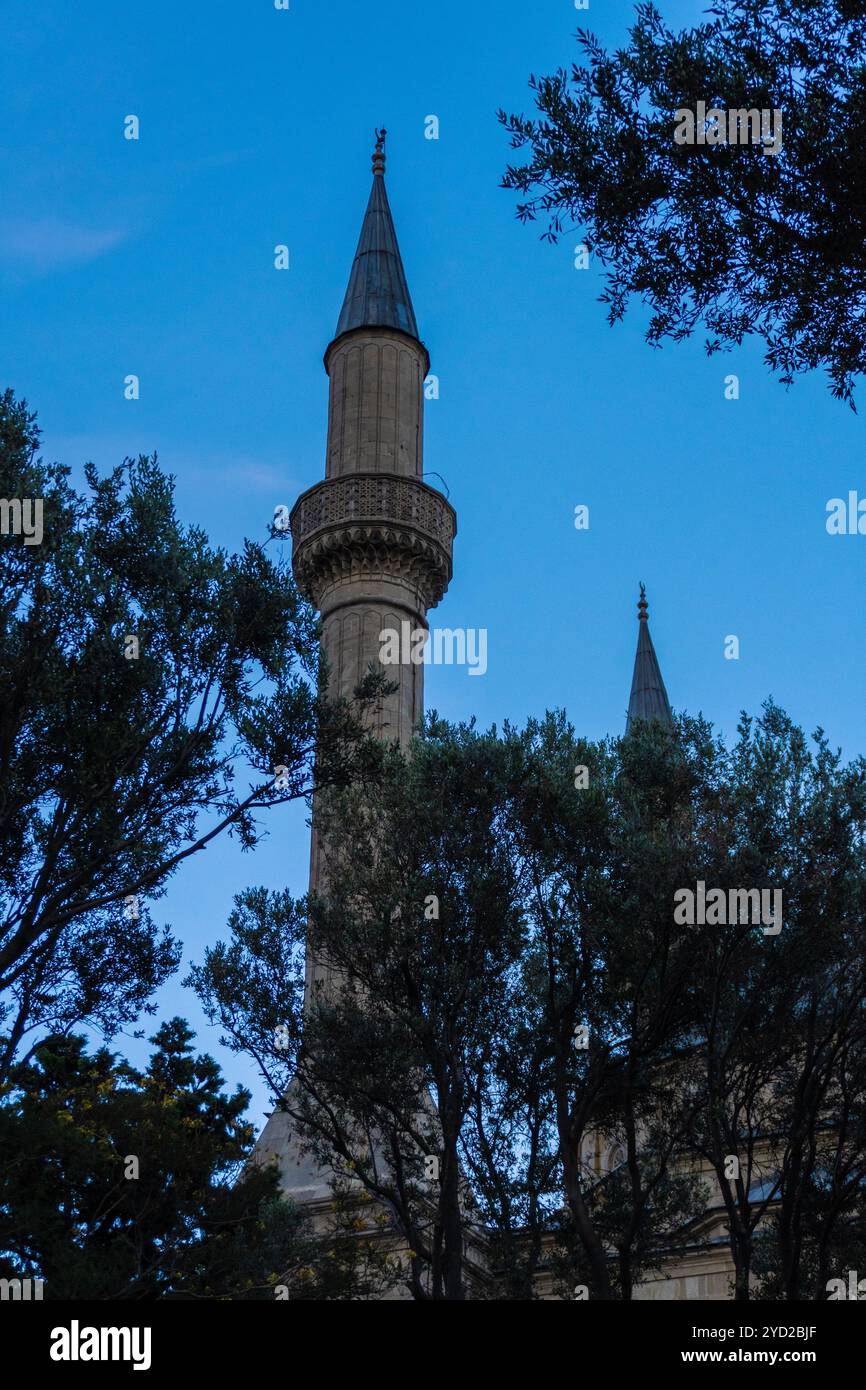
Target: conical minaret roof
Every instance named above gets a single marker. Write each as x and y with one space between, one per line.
378 295
649 699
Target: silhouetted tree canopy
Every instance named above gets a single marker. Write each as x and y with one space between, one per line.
127 1184
723 237
503 943
157 692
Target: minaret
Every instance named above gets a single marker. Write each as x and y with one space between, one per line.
372 542
649 699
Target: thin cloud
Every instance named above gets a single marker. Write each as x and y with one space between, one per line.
49 243
209 468
254 473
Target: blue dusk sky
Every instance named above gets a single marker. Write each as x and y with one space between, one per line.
156 257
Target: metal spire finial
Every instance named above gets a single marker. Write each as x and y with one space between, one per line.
642 605
378 295
379 152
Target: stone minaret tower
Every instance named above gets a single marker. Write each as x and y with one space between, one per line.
372 542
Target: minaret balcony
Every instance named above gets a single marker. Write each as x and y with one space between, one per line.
373 524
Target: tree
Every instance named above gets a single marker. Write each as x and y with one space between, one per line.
612 990
723 235
782 1066
120 1184
456 922
514 996
112 1177
421 924
142 670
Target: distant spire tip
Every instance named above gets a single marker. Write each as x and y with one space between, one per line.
642 605
379 152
